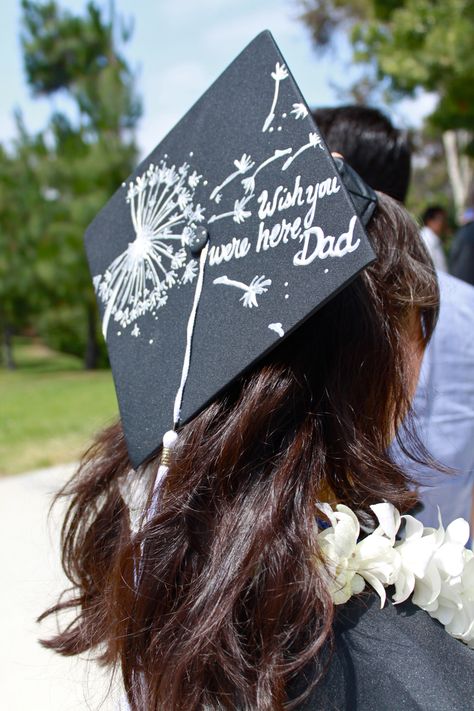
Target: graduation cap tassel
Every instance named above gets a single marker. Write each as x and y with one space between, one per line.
171 436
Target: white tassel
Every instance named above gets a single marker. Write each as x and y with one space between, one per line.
169 441
171 437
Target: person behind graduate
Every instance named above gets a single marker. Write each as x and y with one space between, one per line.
444 401
435 221
251 562
461 257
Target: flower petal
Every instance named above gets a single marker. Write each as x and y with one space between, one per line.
458 532
378 587
389 519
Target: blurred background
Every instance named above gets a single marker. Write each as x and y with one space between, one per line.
90 88
87 90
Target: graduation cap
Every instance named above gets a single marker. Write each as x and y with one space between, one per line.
229 235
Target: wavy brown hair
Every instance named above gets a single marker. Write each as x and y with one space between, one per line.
229 601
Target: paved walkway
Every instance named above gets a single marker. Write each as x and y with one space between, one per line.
32 678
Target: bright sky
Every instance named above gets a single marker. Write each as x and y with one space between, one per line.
178 48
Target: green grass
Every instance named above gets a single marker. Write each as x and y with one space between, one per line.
50 408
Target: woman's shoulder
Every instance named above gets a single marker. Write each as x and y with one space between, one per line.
393 658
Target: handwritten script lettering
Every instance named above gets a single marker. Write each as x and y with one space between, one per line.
236 249
325 245
282 199
315 244
280 232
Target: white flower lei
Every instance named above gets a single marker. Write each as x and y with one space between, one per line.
430 564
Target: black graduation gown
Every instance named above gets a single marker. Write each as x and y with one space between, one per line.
394 659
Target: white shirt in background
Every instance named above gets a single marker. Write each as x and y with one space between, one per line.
435 248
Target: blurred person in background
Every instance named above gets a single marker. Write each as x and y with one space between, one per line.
444 401
435 221
461 258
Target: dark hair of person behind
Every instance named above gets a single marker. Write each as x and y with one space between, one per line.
378 151
230 599
432 212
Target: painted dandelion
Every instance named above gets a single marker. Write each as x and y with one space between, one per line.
162 214
242 166
314 140
249 182
278 76
239 214
190 272
258 286
299 111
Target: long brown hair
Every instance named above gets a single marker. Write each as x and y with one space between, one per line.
229 600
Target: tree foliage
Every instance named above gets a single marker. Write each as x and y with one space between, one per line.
23 219
413 43
407 46
85 158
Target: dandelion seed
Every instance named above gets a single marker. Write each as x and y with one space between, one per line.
299 111
198 214
193 180
243 166
278 76
190 272
239 214
314 140
259 285
249 182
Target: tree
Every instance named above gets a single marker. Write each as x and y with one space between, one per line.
22 220
415 44
87 159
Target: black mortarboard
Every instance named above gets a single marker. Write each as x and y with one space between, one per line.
228 236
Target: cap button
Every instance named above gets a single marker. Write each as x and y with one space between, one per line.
198 239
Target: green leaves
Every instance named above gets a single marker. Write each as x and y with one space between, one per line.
53 184
415 44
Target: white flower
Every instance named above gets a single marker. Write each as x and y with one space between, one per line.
218 198
299 110
376 561
136 331
431 564
337 545
351 563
